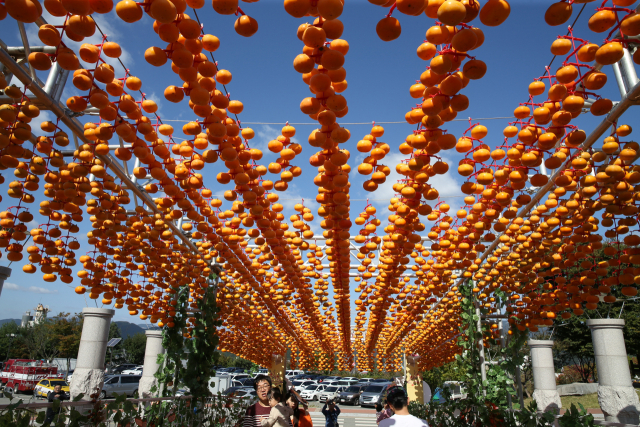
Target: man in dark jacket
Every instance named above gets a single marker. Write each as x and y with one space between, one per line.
331 412
56 394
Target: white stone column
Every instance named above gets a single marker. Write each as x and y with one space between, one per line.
544 377
616 395
151 366
88 377
5 272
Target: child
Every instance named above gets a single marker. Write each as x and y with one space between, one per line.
280 414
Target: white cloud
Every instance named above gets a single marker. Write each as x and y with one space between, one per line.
30 289
447 184
265 134
155 98
268 133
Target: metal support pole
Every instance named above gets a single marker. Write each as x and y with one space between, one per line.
503 345
621 86
27 52
519 384
52 78
78 129
483 366
628 71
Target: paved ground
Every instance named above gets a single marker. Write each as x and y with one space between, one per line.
26 398
347 420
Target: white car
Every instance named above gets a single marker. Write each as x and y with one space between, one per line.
302 385
135 371
312 392
329 383
330 393
350 379
365 380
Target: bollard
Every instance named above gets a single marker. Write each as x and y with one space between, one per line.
152 349
5 272
616 395
544 378
88 376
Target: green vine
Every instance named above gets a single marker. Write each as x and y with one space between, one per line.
476 409
217 411
202 345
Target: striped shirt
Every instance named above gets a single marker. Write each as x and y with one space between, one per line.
256 413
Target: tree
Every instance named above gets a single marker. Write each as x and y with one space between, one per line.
39 340
574 346
452 371
68 330
133 347
9 342
114 331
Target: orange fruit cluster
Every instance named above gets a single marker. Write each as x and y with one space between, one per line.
274 287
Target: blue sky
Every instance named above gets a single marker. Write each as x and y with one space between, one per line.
379 75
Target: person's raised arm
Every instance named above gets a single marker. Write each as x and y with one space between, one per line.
325 412
337 410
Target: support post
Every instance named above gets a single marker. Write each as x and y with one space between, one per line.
616 395
151 366
503 345
5 273
88 377
415 389
545 392
483 366
277 370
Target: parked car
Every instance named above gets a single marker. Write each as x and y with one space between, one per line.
127 384
374 393
301 385
243 393
247 382
312 392
232 390
118 369
46 385
454 388
183 392
238 377
330 393
365 380
261 371
350 379
347 383
351 395
290 373
380 380
135 371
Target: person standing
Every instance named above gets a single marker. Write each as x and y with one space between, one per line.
331 411
399 402
261 409
56 394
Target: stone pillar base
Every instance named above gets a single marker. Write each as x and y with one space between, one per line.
87 382
547 400
145 386
619 404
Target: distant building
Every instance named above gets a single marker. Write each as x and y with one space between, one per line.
41 314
